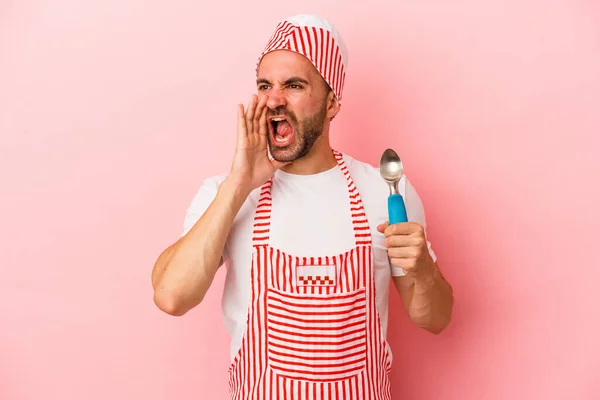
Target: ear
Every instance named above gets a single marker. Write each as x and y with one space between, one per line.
333 105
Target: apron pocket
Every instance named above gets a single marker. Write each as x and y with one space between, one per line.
319 338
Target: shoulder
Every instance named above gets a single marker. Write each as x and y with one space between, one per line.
375 191
367 178
203 196
207 189
213 181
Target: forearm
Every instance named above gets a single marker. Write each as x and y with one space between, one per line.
184 272
432 300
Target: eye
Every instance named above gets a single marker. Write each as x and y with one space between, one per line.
294 86
263 87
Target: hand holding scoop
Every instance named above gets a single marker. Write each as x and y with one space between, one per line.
390 168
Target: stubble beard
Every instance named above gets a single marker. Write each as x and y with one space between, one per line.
306 134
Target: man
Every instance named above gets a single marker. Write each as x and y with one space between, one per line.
303 230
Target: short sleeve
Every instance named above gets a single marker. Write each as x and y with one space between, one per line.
415 213
200 203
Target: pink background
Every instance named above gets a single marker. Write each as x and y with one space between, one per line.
112 113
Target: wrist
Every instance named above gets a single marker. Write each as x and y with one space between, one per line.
234 189
425 278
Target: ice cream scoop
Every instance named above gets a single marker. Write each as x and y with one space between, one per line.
391 170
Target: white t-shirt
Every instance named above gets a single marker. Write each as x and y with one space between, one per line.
301 203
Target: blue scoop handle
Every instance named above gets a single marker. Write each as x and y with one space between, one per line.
396 209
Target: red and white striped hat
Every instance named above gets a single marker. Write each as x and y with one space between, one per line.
317 39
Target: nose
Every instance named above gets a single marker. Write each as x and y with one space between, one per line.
276 99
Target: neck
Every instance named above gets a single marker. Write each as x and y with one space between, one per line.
319 159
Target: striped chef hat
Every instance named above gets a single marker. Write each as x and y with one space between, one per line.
317 39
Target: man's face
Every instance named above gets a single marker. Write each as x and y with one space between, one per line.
298 103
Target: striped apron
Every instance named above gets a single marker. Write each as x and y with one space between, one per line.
313 330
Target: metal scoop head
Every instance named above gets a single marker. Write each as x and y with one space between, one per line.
390 169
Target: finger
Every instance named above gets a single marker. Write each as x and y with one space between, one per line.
404 252
262 123
279 164
407 264
241 128
404 241
382 227
250 115
259 113
403 228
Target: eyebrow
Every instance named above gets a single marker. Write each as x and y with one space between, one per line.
293 79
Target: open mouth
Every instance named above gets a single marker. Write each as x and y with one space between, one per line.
281 130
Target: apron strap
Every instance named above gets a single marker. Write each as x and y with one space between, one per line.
362 230
262 216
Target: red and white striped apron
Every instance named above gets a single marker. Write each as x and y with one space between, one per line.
313 329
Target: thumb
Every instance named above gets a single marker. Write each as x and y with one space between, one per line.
382 227
279 164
